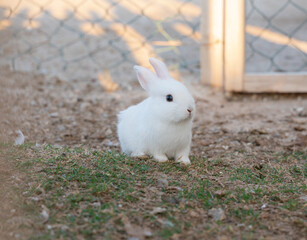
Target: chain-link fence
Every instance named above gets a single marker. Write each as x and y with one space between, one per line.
82 38
276 35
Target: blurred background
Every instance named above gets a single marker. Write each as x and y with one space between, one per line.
276 36
82 39
90 39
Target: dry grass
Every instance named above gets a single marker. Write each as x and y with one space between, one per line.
103 194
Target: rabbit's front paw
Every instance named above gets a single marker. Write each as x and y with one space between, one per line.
183 160
160 157
139 155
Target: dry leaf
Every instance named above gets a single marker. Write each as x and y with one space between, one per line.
45 213
20 139
162 182
135 230
217 214
158 210
220 193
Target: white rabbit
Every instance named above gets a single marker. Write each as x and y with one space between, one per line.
161 125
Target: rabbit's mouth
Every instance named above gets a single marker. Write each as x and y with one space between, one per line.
188 117
190 114
190 111
182 120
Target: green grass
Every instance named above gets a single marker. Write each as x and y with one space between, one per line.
292 204
88 192
245 215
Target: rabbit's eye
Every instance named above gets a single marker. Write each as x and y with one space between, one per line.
169 98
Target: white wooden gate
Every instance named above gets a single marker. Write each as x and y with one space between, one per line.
223 53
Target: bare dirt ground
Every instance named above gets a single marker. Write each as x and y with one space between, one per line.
81 112
12 213
9 200
52 111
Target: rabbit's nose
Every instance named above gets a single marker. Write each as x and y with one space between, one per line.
189 110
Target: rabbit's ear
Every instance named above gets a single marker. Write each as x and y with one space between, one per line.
160 68
145 77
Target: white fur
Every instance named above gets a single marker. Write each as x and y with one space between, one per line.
155 126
